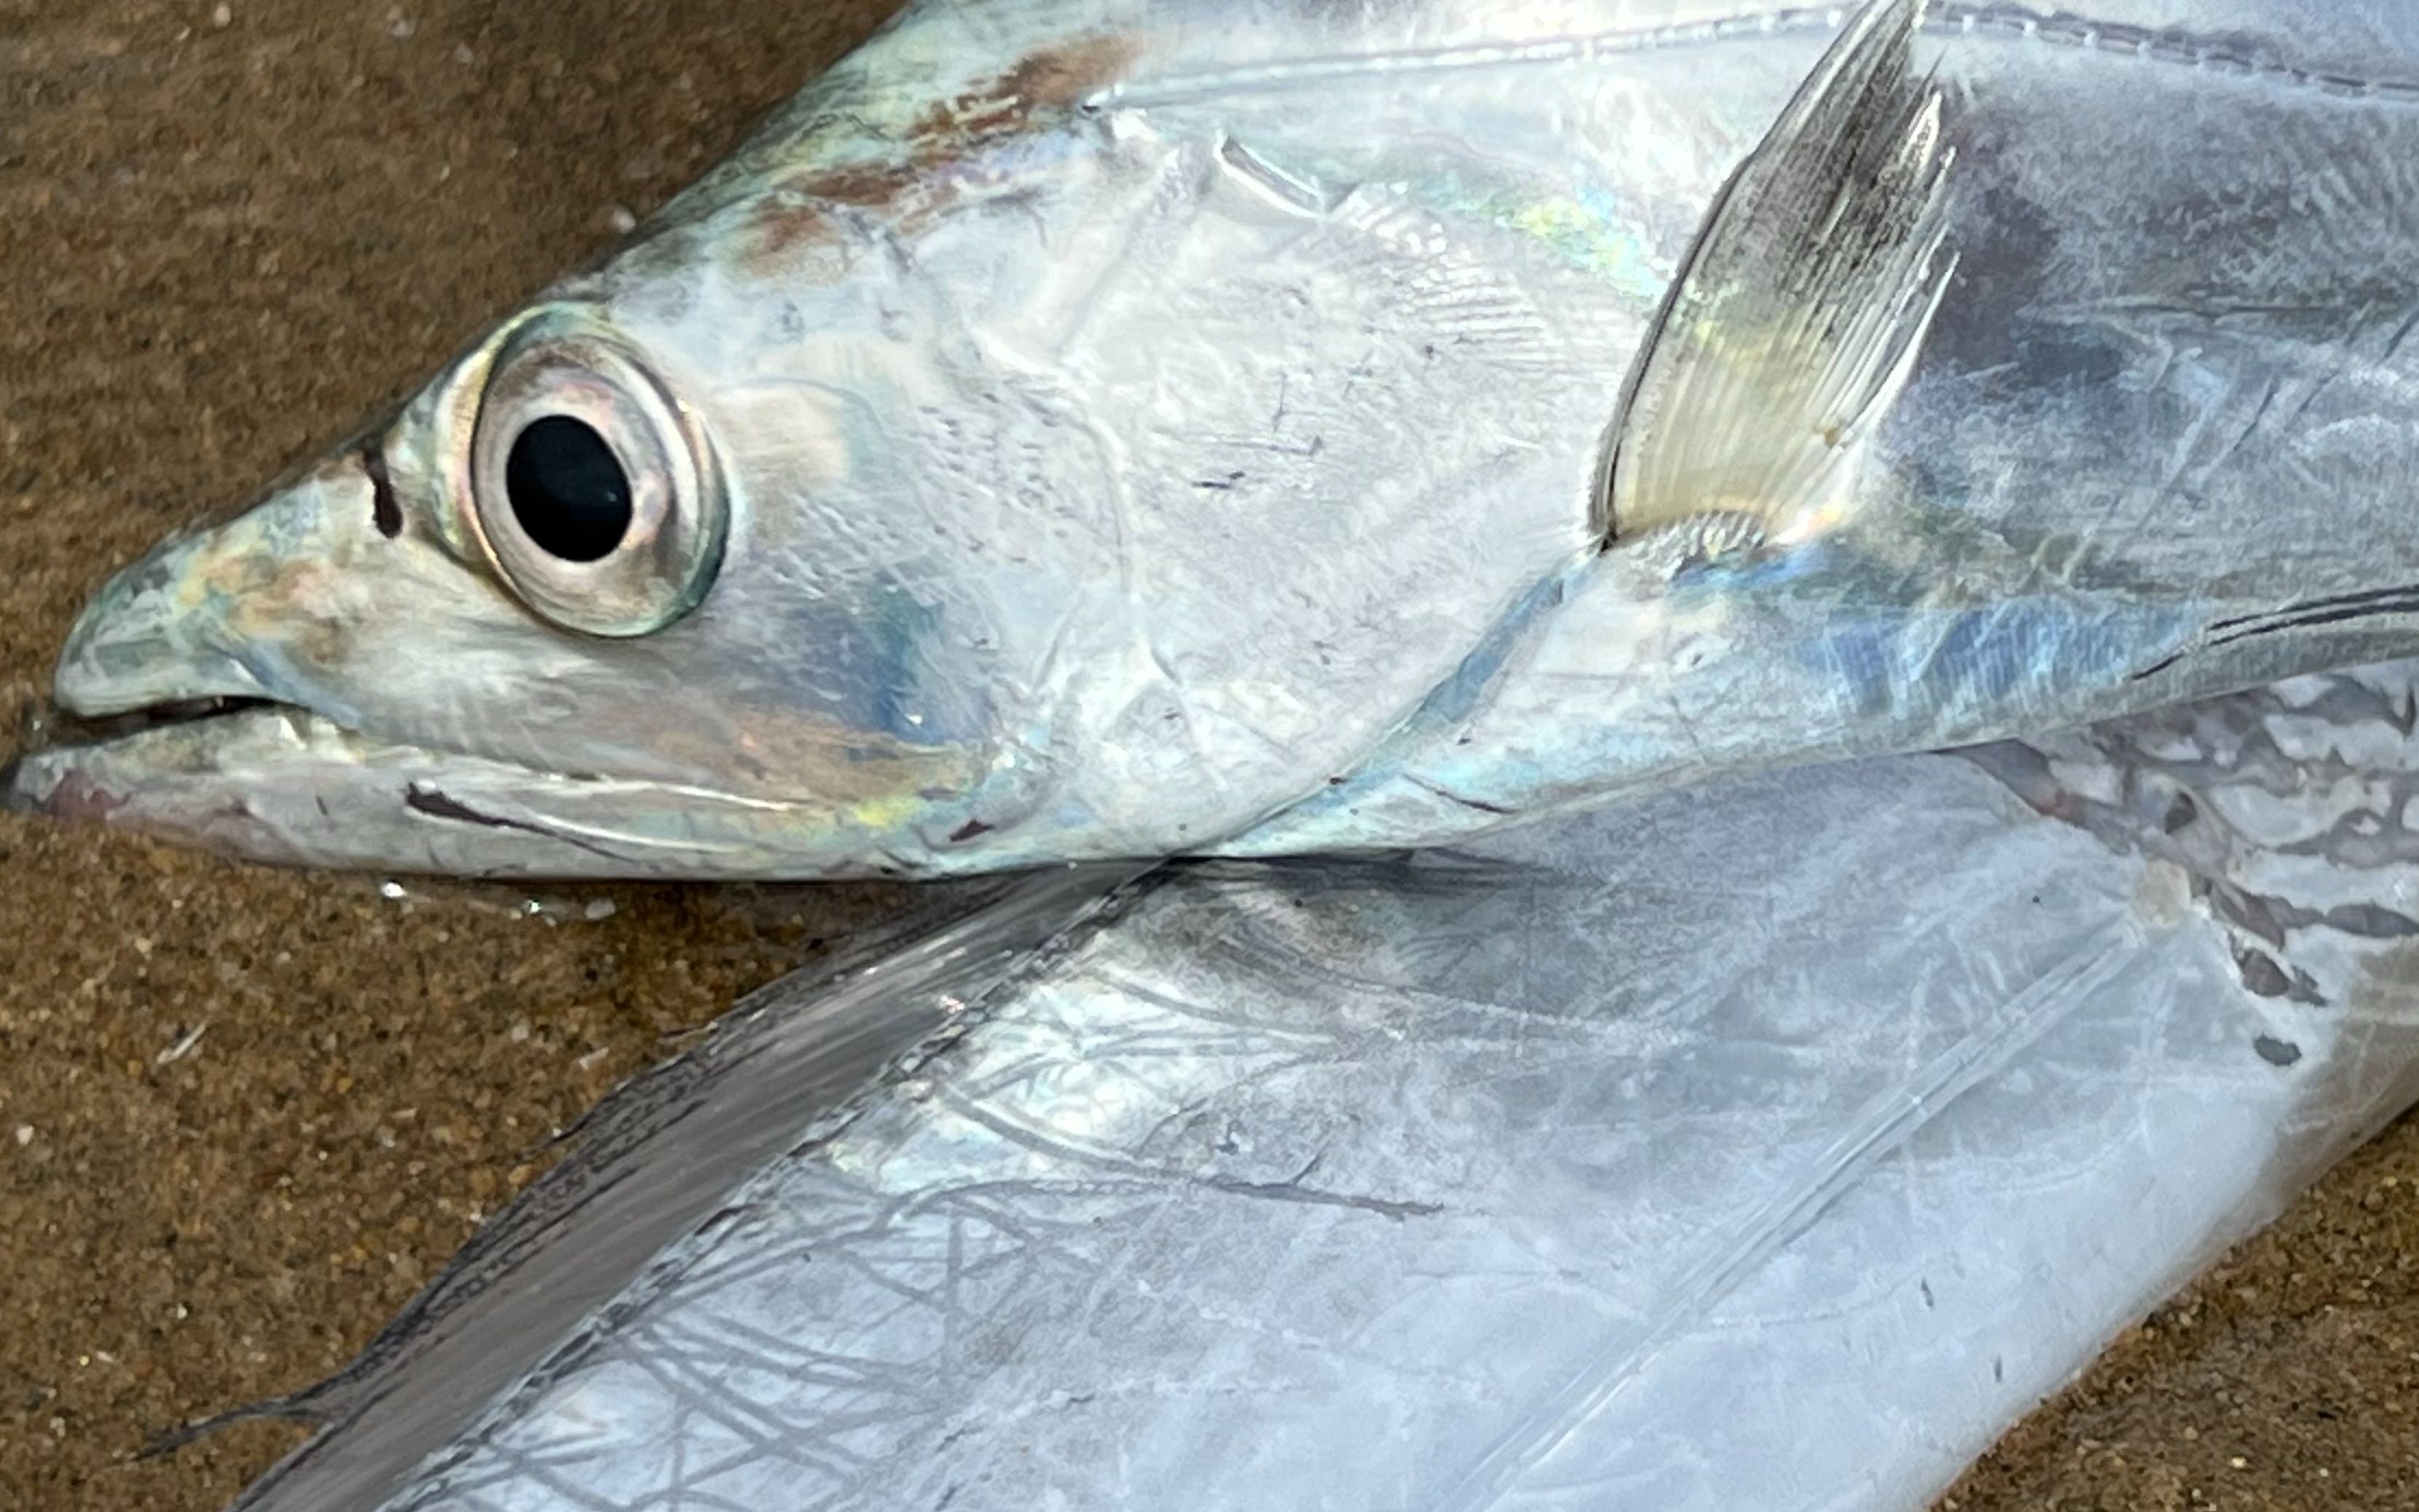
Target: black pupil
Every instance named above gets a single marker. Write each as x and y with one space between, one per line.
568 489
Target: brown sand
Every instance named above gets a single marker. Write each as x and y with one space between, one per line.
223 242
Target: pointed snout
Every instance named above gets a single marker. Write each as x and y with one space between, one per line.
229 611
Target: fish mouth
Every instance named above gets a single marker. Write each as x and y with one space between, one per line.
39 776
48 725
275 781
121 766
211 770
49 773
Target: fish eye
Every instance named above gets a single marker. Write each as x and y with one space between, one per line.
569 490
594 489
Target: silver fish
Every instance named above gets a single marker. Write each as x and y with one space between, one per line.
1277 427
1156 426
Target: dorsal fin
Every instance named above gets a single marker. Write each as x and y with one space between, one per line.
1798 313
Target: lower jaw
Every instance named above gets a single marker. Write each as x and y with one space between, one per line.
262 781
272 783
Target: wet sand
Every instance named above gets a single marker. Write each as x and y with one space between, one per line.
244 1114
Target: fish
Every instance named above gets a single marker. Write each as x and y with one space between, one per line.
1155 427
996 465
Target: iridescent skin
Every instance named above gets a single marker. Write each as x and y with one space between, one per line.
1154 427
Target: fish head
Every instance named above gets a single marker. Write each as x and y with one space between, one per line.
553 616
681 570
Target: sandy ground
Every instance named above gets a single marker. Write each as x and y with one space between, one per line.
243 1114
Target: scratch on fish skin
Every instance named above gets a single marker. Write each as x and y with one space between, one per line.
1881 1126
1291 1190
2284 401
2225 58
419 797
1440 790
2401 334
2242 438
2348 353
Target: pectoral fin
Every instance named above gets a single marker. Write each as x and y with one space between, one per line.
1798 313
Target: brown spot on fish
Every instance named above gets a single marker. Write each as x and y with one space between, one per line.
803 220
971 830
1057 79
788 231
301 606
80 799
864 185
912 183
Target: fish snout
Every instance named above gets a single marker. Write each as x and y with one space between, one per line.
229 612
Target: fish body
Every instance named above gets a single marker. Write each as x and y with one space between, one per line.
1132 428
1126 429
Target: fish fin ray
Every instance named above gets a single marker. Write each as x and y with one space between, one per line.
1798 314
